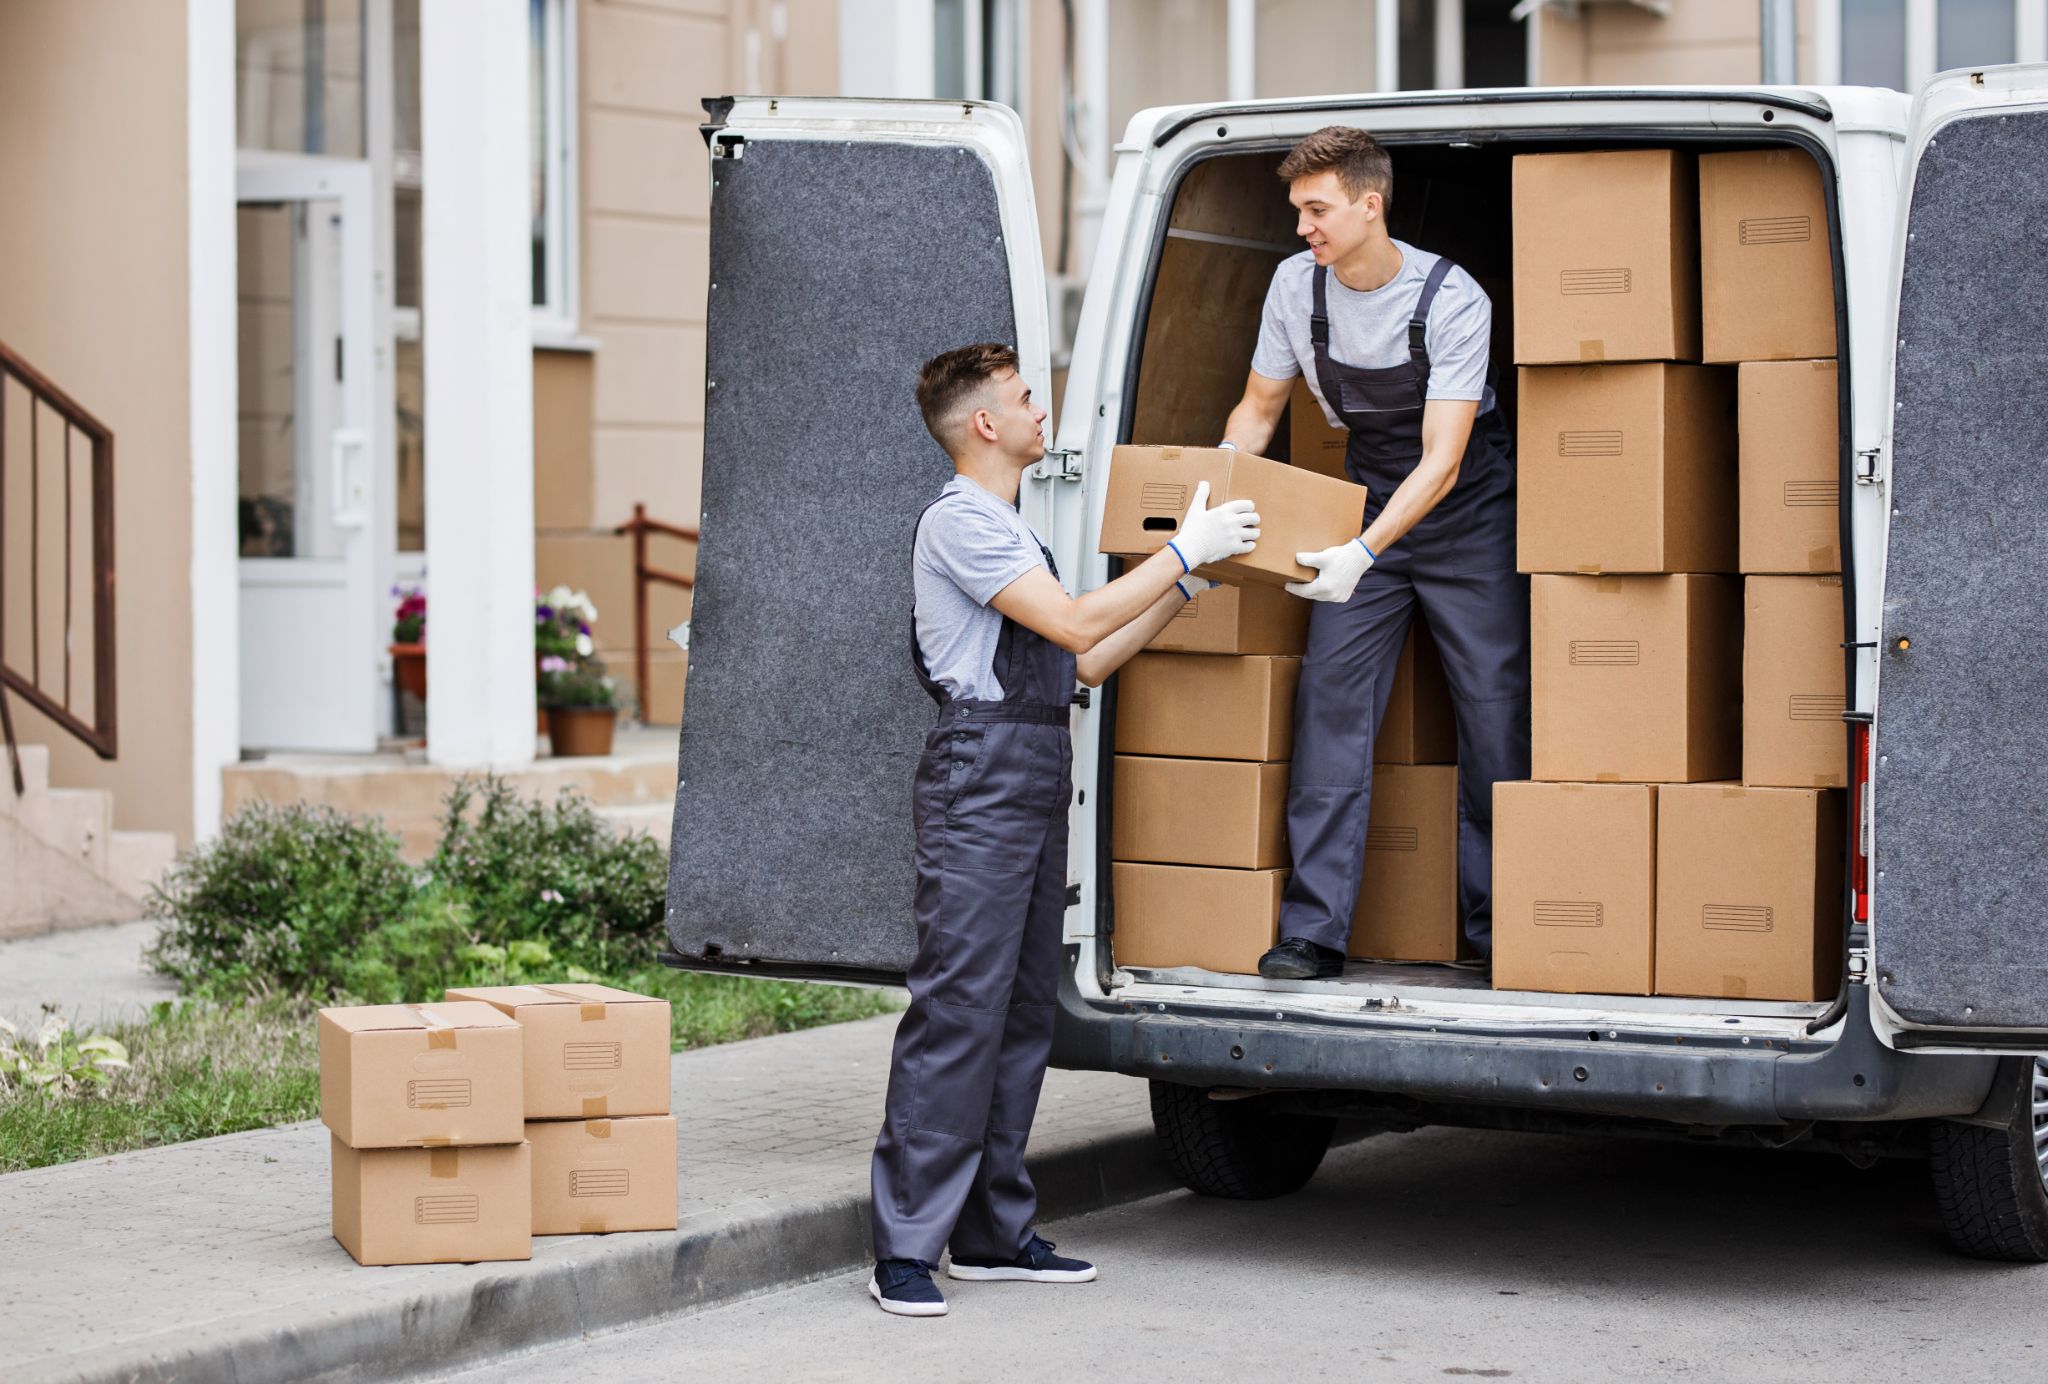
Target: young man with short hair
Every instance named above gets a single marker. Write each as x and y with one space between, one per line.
1394 342
998 643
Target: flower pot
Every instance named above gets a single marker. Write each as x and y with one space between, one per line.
409 668
582 730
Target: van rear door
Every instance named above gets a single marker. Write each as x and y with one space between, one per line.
850 241
1958 814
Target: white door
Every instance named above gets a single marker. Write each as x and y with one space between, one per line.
309 608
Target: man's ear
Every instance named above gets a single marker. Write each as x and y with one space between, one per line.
982 424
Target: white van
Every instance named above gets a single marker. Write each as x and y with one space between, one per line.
853 239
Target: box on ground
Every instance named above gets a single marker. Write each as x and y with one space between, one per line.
1767 276
1237 620
1792 683
1420 726
1187 915
1150 489
1749 892
1606 257
1636 679
1408 894
1574 887
413 1075
433 1206
1788 419
1201 706
1626 468
1223 812
1312 443
591 1177
591 1050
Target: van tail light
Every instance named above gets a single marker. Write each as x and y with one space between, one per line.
1859 808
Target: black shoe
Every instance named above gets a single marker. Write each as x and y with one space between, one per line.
1297 958
1037 1264
904 1288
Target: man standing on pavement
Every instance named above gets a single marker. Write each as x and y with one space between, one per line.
998 644
1394 342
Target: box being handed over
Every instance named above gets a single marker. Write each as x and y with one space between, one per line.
398 1075
591 1051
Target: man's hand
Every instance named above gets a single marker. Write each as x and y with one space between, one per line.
1208 535
1191 586
1338 570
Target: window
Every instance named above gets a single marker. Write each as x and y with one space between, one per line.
1902 43
1874 43
552 145
1491 45
975 47
1974 33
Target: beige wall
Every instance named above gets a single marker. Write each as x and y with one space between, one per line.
93 290
1700 41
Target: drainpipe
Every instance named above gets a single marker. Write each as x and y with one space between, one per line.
1780 42
1091 124
1242 50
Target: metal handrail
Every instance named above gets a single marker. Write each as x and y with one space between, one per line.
640 526
53 696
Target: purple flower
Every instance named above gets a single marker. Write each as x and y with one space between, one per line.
543 614
582 628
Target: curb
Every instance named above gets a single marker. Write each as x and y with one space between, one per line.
472 1319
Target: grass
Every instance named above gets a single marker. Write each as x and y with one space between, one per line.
199 1070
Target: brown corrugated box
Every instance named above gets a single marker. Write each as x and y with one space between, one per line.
591 1177
1636 679
1150 489
1420 726
1787 417
592 1051
1408 894
1237 620
1606 257
1767 278
1222 812
1311 442
432 1206
399 1075
1202 706
1626 468
1749 892
1792 683
1575 887
1185 915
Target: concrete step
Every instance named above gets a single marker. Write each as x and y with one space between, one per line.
77 821
50 889
35 775
136 860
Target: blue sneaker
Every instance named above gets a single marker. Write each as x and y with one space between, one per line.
904 1288
1037 1264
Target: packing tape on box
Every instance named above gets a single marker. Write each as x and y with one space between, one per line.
592 1227
1822 559
1607 778
593 1010
596 1107
1593 571
440 1033
1609 586
1734 791
598 1129
442 1162
1593 350
1734 987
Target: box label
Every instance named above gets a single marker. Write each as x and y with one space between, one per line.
1736 917
591 1057
442 1093
1574 282
1773 230
447 1209
1569 913
1606 653
1590 442
1812 494
600 1182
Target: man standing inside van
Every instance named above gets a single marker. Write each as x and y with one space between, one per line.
998 643
1393 340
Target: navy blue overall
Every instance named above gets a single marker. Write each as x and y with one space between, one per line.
1458 563
990 808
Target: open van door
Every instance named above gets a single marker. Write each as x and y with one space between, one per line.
850 241
1959 808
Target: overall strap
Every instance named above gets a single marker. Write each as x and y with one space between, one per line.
924 673
1319 311
1418 324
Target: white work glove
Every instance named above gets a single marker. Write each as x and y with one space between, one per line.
1192 586
1210 535
1338 570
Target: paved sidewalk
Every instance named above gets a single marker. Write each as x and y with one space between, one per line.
94 974
214 1260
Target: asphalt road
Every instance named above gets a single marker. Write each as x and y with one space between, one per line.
1431 1256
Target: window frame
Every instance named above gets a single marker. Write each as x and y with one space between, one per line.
557 321
1921 39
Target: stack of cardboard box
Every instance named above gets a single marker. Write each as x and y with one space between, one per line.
596 1105
1630 865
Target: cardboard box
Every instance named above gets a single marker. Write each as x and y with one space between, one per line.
1767 278
1186 915
591 1177
1150 489
1749 892
1575 887
1408 896
1420 726
1312 443
433 1206
1636 679
1222 812
1788 421
1793 683
1626 468
591 1051
1606 257
1202 706
401 1075
1237 620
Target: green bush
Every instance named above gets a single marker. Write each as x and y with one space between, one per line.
415 956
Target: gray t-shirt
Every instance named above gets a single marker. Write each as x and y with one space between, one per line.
970 545
1370 330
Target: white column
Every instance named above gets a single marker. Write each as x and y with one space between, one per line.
1450 44
1241 50
1091 125
885 48
2030 41
1922 40
1827 43
477 316
1386 46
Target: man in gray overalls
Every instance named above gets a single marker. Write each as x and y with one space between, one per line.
1394 341
998 644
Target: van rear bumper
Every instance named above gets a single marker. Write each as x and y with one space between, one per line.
1689 1081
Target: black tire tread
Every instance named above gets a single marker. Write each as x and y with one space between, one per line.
1989 1191
1237 1150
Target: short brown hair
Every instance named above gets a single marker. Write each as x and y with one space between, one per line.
946 380
1360 162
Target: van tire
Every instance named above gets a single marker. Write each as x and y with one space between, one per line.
1988 1181
1241 1149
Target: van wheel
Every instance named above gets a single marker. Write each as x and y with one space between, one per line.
1241 1149
1989 1182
